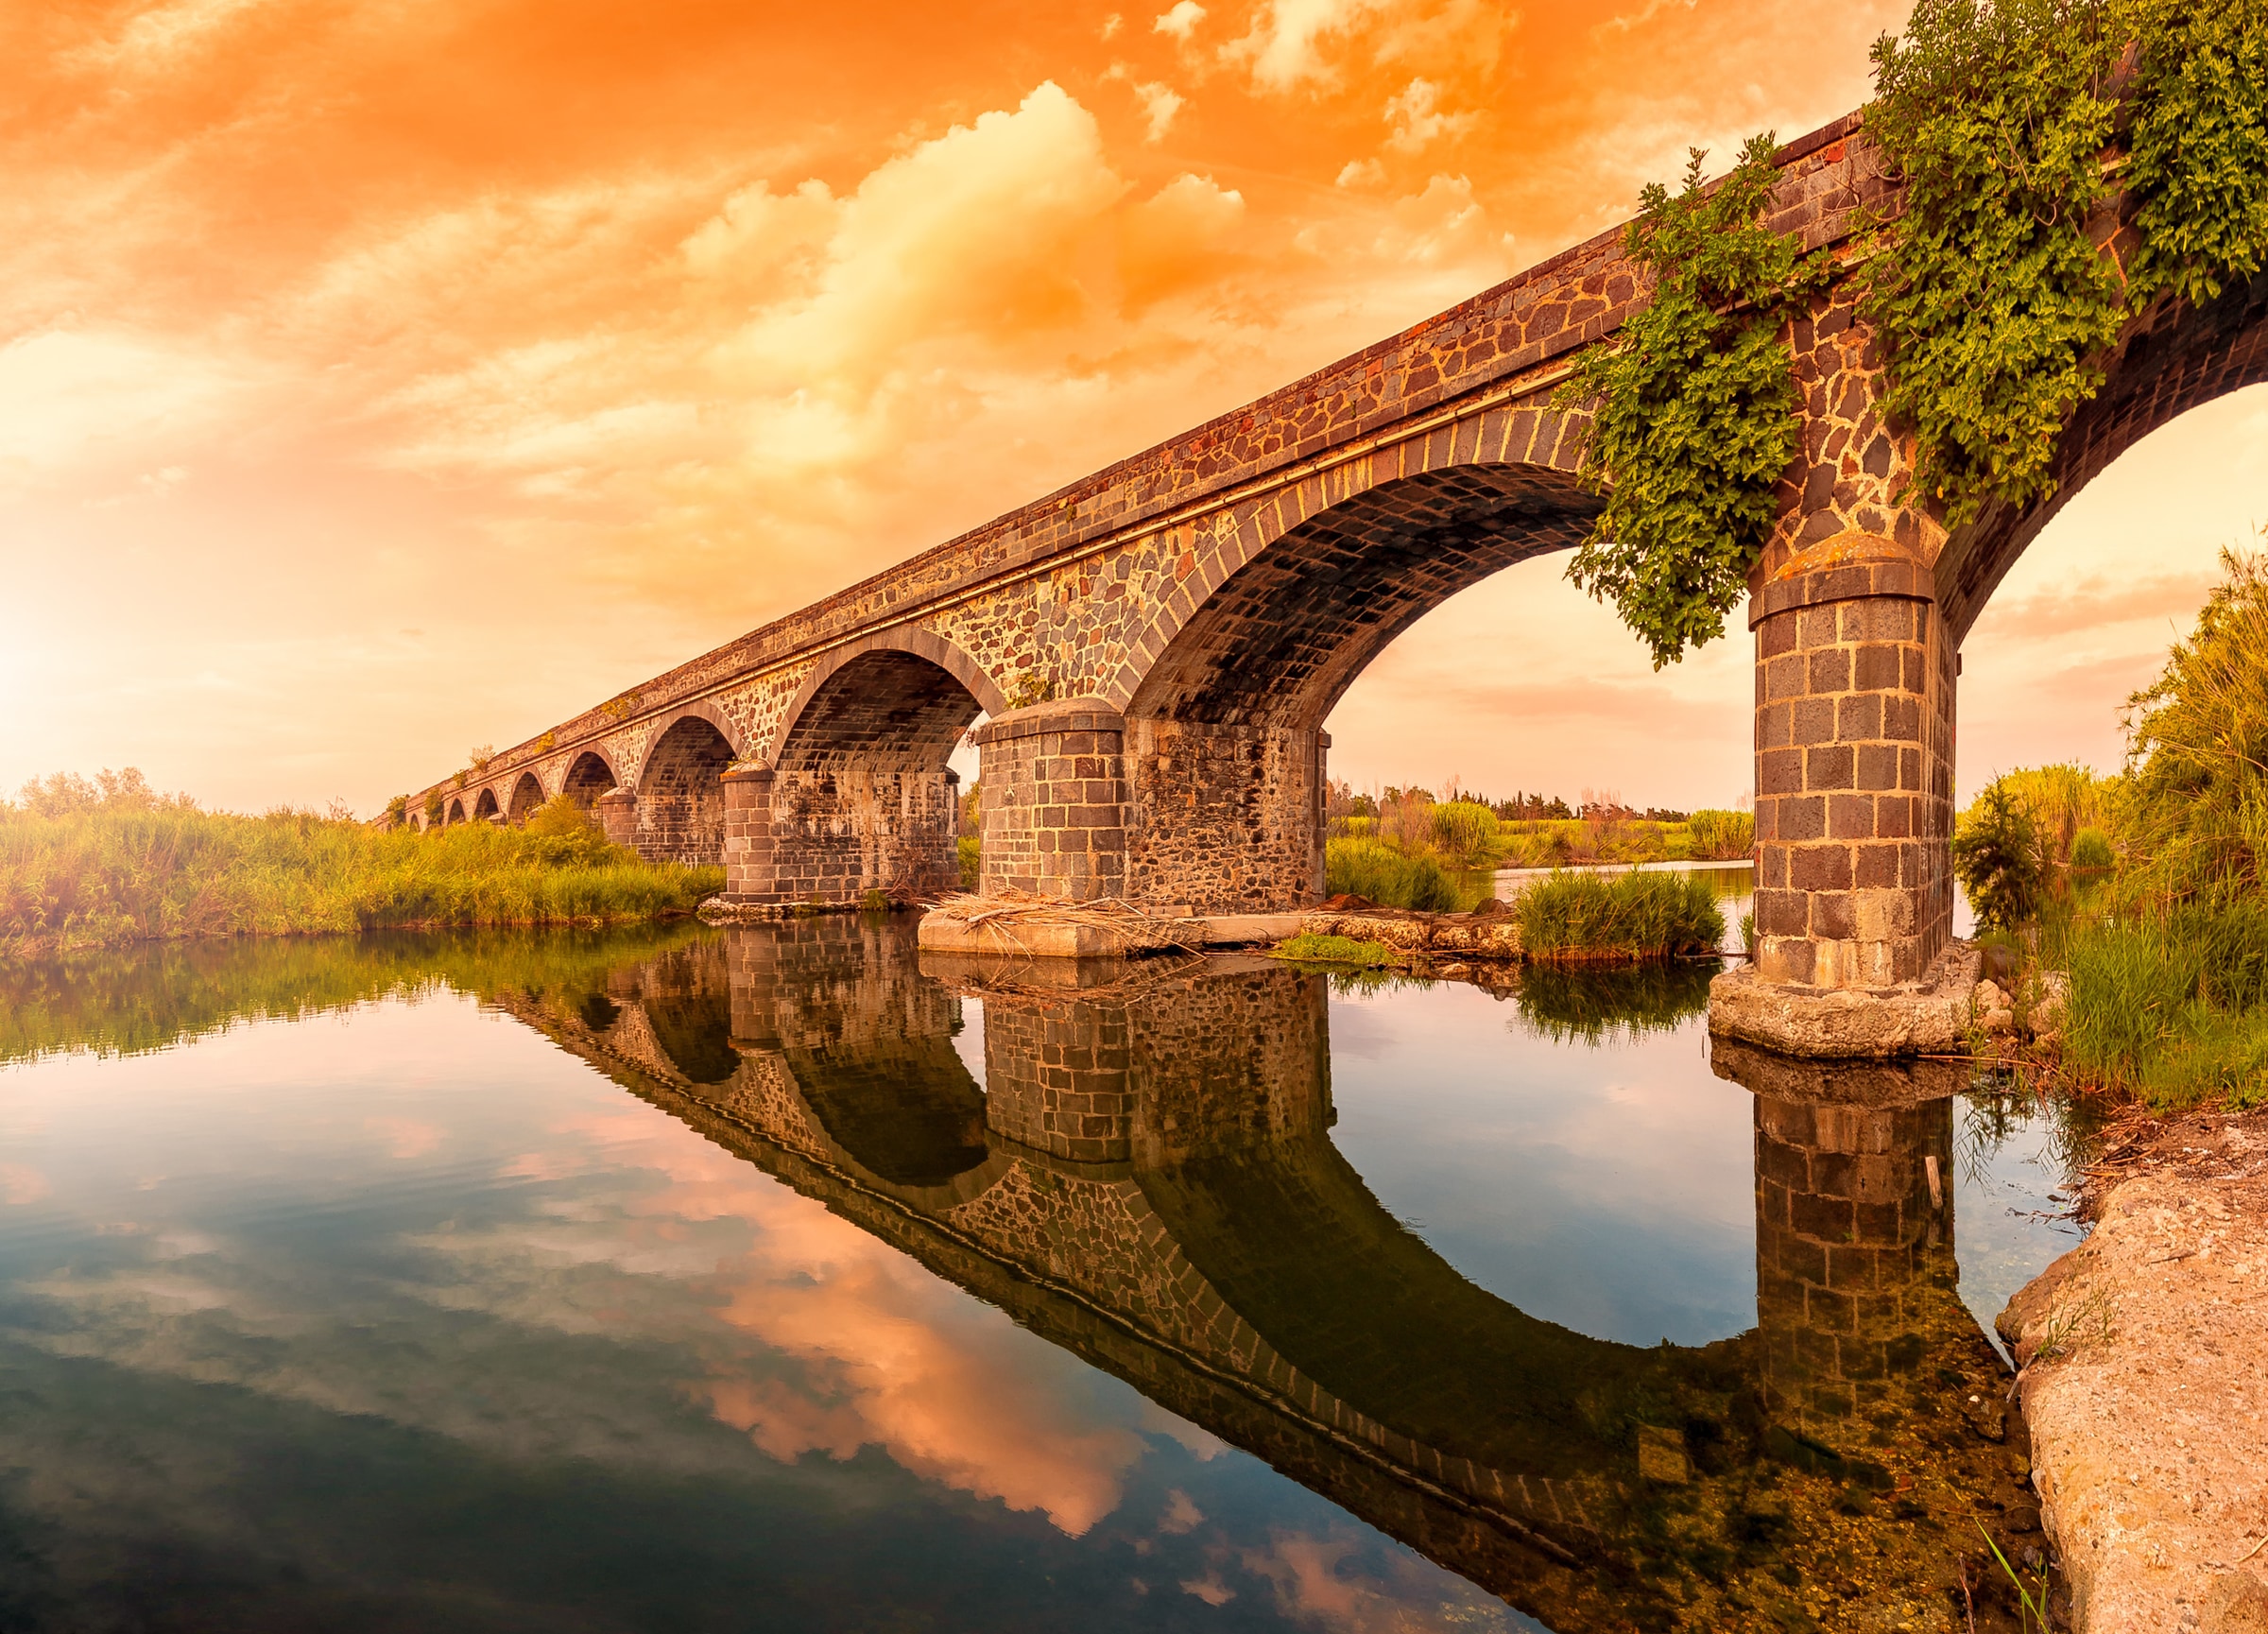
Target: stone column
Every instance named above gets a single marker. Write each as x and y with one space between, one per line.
1854 767
1053 811
1055 1077
1226 819
617 813
749 847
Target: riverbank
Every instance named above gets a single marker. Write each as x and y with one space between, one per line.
164 871
2143 1380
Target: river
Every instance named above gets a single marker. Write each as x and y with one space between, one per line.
782 1278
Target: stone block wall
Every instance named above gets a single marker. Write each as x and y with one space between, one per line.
1230 1061
617 813
1854 759
1053 811
1226 819
831 835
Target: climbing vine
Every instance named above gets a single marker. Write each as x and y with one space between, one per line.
1693 409
1988 291
1992 297
2197 148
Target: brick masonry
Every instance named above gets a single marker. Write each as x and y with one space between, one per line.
1210 599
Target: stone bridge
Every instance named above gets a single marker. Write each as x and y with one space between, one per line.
1144 1175
1158 644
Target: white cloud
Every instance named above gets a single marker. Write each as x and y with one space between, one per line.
1418 119
1180 22
1110 26
1281 48
1160 103
1362 173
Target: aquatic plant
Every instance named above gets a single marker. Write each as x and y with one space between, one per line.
1720 835
1571 916
1388 877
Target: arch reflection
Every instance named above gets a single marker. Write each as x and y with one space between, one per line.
1146 1178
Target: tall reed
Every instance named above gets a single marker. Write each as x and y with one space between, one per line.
1631 916
105 876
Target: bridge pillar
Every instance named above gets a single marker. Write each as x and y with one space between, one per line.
617 813
1227 818
1053 807
1854 767
831 835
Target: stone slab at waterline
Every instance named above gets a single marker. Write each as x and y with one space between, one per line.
1927 1018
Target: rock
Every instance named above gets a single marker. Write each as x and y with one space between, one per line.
1990 995
1492 910
1997 965
1998 1023
2048 1009
2236 1604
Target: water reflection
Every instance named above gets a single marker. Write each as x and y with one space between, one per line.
1145 1173
1147 1177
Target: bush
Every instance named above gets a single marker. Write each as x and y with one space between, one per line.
972 851
1466 830
1388 877
1720 835
2091 852
1997 858
1630 915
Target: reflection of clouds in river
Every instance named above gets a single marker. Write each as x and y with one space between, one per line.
472 1272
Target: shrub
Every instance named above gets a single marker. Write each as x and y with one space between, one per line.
1386 876
971 850
1630 915
2091 852
1997 858
1466 830
1721 835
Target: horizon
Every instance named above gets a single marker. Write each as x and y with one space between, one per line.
357 416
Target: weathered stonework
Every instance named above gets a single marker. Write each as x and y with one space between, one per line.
1205 604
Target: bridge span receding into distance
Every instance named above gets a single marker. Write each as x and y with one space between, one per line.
1158 644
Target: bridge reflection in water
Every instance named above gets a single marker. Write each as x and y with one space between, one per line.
1145 1176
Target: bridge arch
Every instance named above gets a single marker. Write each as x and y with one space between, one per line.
2174 358
1223 742
485 806
457 814
680 788
588 776
902 696
527 794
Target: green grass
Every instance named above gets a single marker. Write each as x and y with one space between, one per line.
1390 878
2171 1008
102 877
1629 915
1309 949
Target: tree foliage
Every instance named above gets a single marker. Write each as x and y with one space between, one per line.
1695 407
2198 144
1989 293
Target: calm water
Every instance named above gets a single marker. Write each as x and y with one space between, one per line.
784 1279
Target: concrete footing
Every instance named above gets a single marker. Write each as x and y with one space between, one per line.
1929 1017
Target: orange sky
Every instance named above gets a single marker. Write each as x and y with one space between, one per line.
378 380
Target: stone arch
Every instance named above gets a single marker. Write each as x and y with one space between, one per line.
681 792
527 794
457 814
890 693
1222 741
1292 615
2174 358
588 776
485 806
